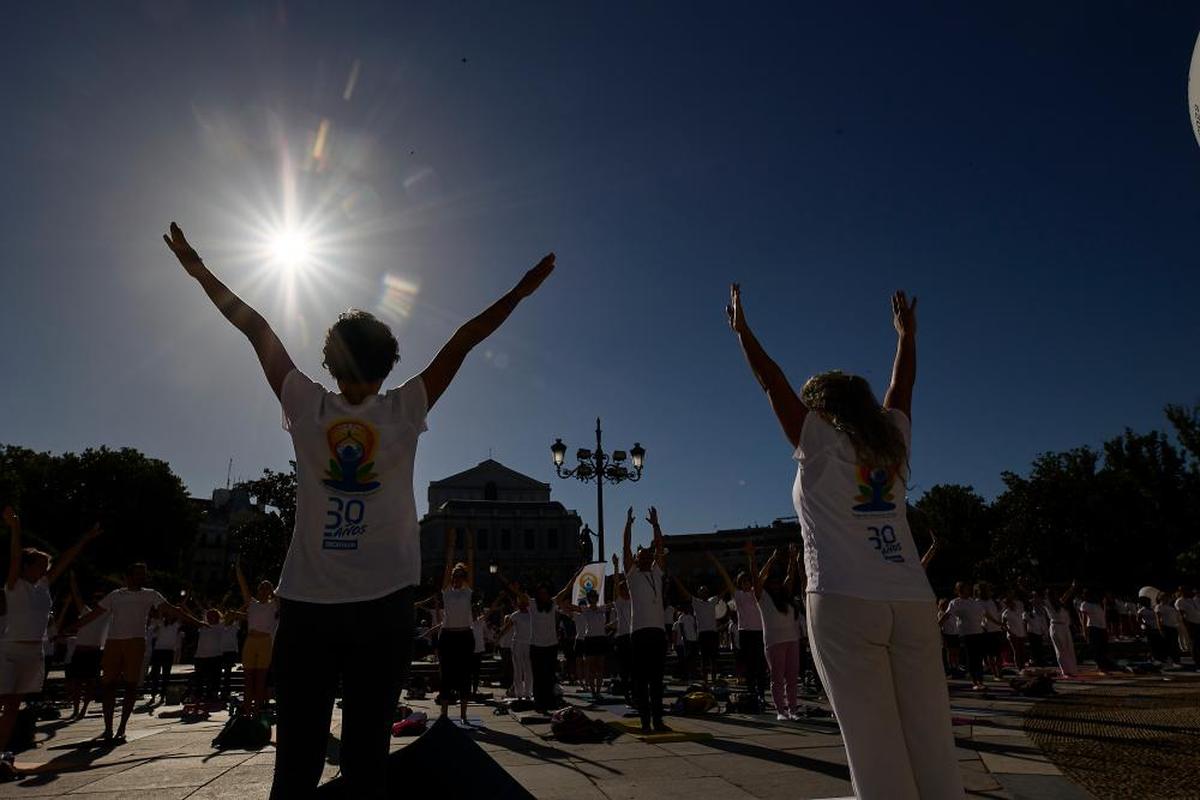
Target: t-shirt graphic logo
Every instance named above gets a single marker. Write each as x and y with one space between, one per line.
351 453
875 488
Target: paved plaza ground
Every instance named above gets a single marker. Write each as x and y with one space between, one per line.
1103 737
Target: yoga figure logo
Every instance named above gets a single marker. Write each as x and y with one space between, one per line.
875 488
351 449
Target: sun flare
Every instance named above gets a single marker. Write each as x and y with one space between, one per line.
290 248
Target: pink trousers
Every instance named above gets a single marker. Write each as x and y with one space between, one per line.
784 661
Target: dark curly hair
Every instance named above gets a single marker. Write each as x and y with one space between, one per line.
359 348
847 403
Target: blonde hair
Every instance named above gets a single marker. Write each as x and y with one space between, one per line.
847 403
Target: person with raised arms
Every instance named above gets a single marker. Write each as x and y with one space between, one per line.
457 642
591 618
125 648
781 640
262 617
747 633
644 575
83 673
354 556
620 624
31 573
543 612
871 610
704 610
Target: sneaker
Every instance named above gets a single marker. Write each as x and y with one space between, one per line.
661 727
783 717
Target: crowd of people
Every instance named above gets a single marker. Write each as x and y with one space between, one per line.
851 598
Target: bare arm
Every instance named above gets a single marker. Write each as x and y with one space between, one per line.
276 363
786 404
931 552
729 585
628 539
470 558
660 552
64 561
566 590
682 589
14 546
789 583
451 543
241 579
760 578
904 369
445 365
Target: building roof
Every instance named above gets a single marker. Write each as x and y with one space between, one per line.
498 505
490 470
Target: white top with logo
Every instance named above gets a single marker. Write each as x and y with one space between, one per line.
646 597
706 613
748 618
856 537
356 536
520 628
130 609
28 611
1147 619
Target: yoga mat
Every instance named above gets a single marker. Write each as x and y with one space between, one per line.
675 735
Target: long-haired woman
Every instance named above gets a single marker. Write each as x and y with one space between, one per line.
1060 631
542 609
778 610
262 618
456 645
870 607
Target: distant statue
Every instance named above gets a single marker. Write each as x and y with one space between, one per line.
585 544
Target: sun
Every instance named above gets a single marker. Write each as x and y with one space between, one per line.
290 248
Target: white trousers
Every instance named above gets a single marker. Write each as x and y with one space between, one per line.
522 671
1064 648
881 664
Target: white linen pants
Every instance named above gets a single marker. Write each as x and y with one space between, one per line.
522 671
881 664
1064 648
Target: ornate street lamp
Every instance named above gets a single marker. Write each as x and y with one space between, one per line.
596 465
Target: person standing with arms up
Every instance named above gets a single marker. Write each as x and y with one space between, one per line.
648 641
870 607
354 556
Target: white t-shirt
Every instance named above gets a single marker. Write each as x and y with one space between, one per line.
969 613
95 632
646 597
1187 606
166 635
1093 614
1147 619
949 624
856 536
590 621
130 609
1169 614
521 628
991 607
262 617
706 613
777 626
28 611
456 605
1014 621
229 638
356 535
1062 617
685 627
747 611
544 627
622 610
210 639
1035 622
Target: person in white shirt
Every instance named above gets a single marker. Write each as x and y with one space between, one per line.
969 614
621 612
1036 629
456 644
543 611
164 640
951 642
1188 606
746 631
121 666
778 613
354 558
480 635
31 573
1168 619
210 641
262 617
1059 610
1148 622
83 674
1013 619
592 640
517 625
870 606
644 571
704 609
687 641
993 629
231 630
1093 619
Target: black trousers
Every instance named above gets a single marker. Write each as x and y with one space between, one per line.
976 647
1171 642
1097 639
754 661
649 646
1194 634
161 662
366 646
1037 649
542 663
624 662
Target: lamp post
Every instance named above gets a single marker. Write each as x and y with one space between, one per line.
596 465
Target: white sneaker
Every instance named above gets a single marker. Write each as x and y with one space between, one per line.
782 718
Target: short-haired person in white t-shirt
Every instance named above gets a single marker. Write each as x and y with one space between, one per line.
870 606
354 556
125 648
456 644
27 597
644 575
747 631
704 609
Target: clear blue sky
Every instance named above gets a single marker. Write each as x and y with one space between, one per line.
1027 169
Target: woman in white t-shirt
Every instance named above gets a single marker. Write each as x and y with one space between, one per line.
969 614
456 645
870 607
28 603
1059 611
210 648
1148 622
262 617
704 609
542 612
1037 626
778 613
164 639
518 626
1013 619
83 673
591 620
355 555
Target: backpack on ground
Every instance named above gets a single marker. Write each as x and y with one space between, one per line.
573 726
698 702
1033 685
745 703
412 725
243 732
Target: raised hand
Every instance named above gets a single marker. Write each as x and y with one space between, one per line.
653 518
186 254
534 277
904 314
737 320
629 516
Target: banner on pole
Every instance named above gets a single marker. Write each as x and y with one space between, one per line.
590 578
